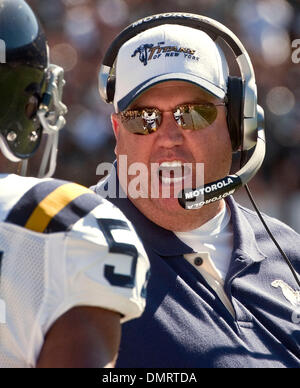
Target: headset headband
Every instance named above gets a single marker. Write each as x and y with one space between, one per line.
211 27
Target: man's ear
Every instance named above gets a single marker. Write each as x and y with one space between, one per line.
116 125
116 128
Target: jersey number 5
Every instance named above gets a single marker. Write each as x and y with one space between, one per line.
117 279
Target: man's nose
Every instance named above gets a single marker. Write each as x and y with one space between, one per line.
170 133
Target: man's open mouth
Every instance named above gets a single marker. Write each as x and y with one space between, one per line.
173 172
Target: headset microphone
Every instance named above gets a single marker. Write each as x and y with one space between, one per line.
214 191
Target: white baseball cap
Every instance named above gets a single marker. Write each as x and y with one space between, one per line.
169 52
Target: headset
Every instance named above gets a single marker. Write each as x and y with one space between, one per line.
245 118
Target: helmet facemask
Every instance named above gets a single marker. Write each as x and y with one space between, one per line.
30 89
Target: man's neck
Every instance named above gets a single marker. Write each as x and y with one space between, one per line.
182 221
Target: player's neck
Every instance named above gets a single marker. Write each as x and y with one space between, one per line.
8 167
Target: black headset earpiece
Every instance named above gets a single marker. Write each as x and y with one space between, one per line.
235 97
110 88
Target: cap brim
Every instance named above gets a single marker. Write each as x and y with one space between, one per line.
201 82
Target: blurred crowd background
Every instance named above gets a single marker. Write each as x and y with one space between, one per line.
79 32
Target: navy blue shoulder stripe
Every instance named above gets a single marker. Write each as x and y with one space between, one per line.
73 212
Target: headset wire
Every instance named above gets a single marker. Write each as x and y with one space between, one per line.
283 254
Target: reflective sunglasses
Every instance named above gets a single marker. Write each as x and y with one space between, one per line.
188 116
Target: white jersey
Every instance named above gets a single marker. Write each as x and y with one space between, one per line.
61 246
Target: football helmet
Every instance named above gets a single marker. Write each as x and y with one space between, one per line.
31 89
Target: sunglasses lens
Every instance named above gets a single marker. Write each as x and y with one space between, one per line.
141 122
147 121
195 116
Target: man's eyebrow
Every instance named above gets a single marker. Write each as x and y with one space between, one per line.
191 102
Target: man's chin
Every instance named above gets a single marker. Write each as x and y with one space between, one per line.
168 205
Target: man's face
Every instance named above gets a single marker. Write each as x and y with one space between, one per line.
170 143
